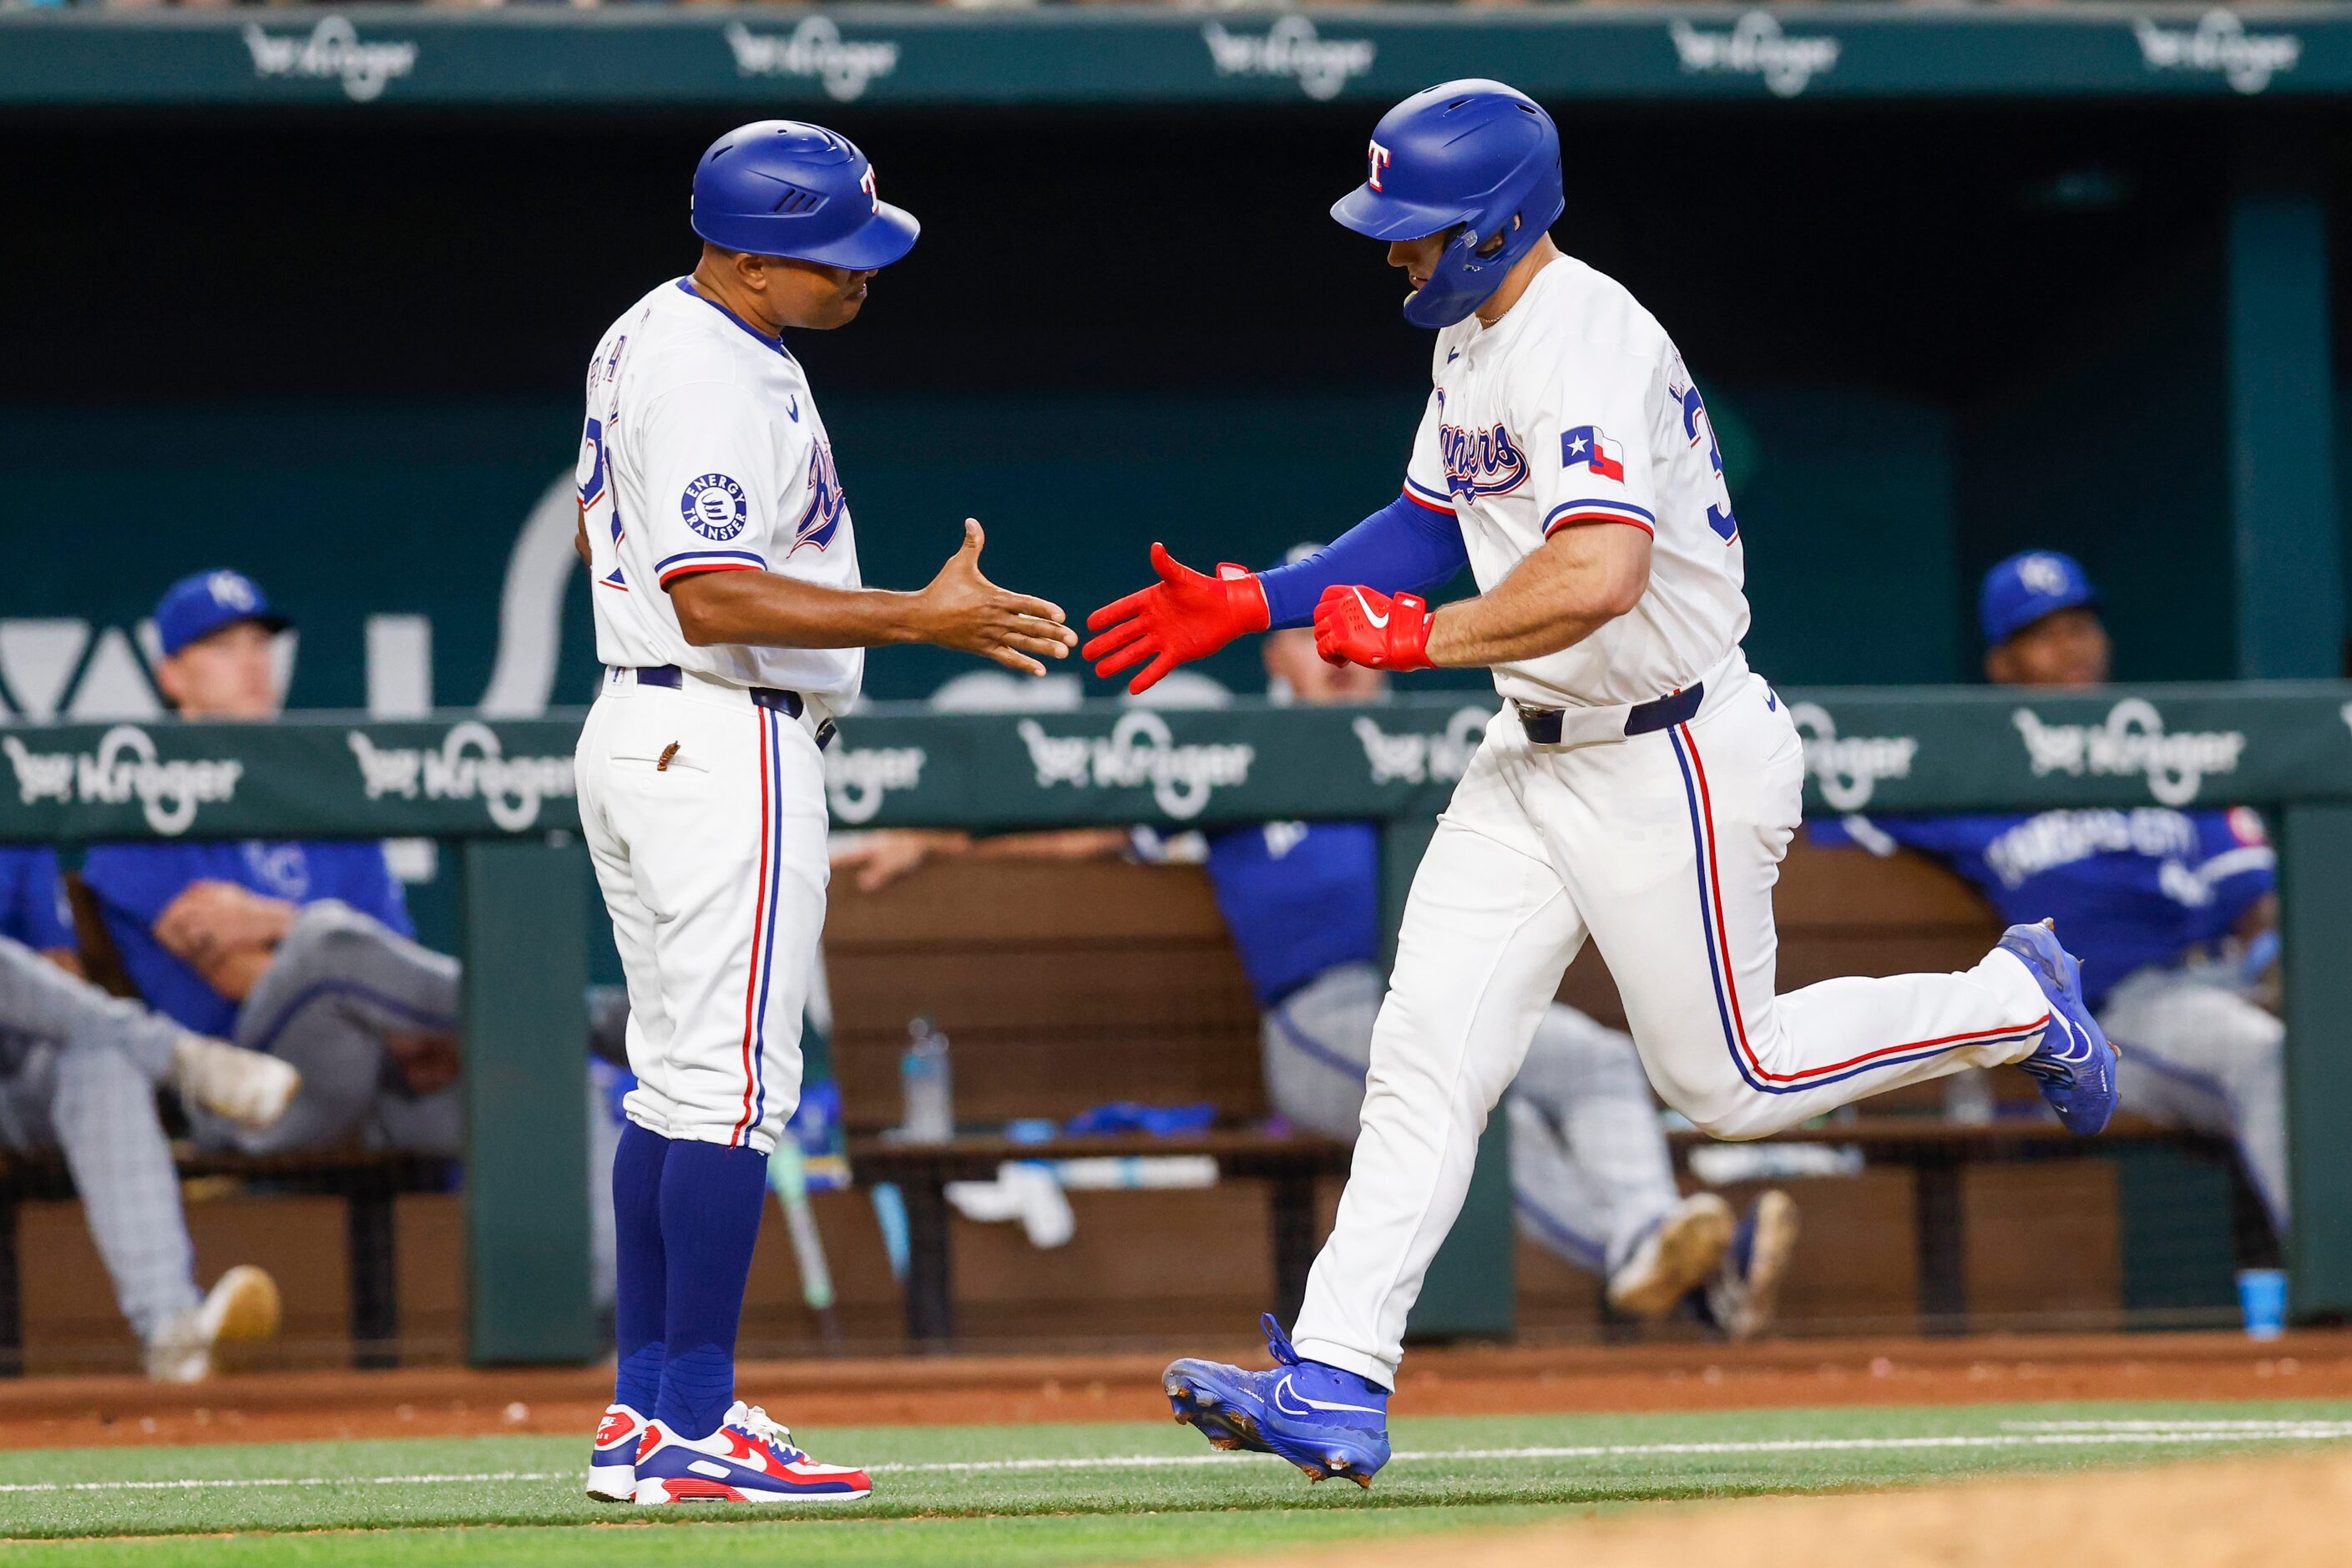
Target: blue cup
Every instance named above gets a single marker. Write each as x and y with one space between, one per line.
2262 1299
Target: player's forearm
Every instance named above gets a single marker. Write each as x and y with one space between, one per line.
1580 580
1404 547
761 609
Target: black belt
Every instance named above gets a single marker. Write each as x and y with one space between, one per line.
1542 724
788 703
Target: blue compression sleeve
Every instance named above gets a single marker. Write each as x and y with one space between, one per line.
1404 547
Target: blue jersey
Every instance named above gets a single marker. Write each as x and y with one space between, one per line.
136 883
1300 898
2129 889
32 898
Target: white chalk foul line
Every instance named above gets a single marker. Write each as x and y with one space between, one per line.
2129 1435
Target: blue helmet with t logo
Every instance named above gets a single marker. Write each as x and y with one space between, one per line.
1472 154
783 187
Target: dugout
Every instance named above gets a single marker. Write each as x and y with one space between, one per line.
1964 282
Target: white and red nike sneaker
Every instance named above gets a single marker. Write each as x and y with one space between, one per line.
613 1459
749 1458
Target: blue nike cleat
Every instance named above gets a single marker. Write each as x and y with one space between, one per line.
2073 1064
1326 1421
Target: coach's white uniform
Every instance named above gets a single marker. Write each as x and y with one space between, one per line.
704 808
1574 409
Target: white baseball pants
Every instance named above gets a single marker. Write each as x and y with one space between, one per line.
1663 847
705 816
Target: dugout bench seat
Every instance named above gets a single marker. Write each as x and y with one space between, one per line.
368 1182
1063 985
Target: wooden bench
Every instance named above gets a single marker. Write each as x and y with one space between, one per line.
1066 985
368 1184
367 1181
1289 1166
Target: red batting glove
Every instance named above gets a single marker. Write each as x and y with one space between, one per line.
1183 616
1363 626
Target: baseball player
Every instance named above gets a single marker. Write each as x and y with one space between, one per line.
1639 785
78 1075
2176 913
730 613
302 949
1592 1179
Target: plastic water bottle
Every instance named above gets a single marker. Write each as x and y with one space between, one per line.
927 1082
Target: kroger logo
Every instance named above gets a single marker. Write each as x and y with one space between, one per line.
1418 757
2132 741
2220 45
123 768
470 764
857 780
332 52
1291 47
1847 771
1140 750
1755 45
815 51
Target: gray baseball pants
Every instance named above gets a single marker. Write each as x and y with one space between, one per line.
2199 1053
84 1068
1589 1168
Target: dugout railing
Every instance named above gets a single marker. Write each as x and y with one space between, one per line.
503 792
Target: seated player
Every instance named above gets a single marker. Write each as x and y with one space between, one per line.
78 1075
1592 1179
299 948
2174 912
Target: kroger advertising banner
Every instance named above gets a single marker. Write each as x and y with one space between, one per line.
467 777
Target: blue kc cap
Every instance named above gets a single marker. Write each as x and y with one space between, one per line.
196 606
2028 586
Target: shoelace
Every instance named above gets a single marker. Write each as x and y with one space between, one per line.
771 1431
1276 1342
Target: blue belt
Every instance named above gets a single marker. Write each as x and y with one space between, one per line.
1543 724
788 703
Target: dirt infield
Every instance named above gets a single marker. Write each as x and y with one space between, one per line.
957 1390
2246 1513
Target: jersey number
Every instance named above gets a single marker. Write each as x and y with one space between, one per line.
1719 517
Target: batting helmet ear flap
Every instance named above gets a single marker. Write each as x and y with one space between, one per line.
1475 152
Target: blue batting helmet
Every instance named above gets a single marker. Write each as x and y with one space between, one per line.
780 187
1474 153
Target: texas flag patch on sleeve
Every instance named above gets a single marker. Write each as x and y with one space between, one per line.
1587 447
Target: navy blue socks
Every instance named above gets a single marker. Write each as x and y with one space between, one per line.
639 1305
710 1200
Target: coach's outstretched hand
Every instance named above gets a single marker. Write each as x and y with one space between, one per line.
1186 616
963 609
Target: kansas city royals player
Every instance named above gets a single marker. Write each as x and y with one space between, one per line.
78 1075
2175 912
730 613
1639 785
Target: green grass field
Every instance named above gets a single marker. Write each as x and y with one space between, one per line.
1046 1495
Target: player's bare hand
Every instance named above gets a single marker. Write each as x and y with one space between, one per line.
1186 616
885 856
212 917
963 609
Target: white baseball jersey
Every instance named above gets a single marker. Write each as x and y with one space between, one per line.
703 452
1574 409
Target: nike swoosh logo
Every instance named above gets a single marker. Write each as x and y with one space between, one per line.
1380 623
794 408
1306 1406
